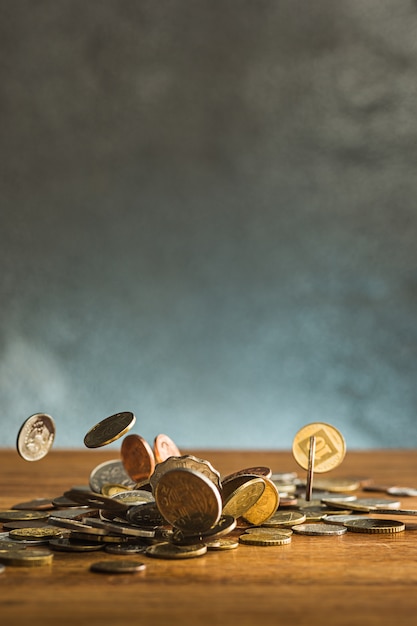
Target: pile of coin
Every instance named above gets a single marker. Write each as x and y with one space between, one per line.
154 501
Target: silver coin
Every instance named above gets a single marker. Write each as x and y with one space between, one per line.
402 492
339 519
109 473
134 497
117 567
319 529
35 437
364 504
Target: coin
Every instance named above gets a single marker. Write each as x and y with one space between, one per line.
35 437
28 534
371 525
164 447
147 515
260 470
319 529
339 519
222 544
6 546
133 497
334 484
96 500
119 529
244 497
137 457
65 544
268 532
170 551
110 490
260 539
125 548
330 446
188 500
109 429
363 504
225 525
266 505
107 473
37 504
18 515
186 461
285 518
117 567
2 568
27 558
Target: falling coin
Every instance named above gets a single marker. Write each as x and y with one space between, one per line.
117 567
35 437
109 429
164 447
137 457
330 447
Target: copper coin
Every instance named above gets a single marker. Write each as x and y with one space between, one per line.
137 457
164 447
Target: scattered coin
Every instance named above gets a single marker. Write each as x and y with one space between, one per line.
66 544
164 447
96 500
6 546
262 530
37 504
137 457
222 544
110 490
319 529
109 429
330 447
188 500
371 525
18 515
260 470
107 473
285 518
134 497
260 539
336 484
125 548
29 534
117 567
244 497
145 515
170 551
265 506
27 558
339 519
189 462
35 437
363 504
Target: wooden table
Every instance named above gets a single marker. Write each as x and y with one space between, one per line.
350 579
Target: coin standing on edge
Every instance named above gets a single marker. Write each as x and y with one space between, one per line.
109 429
35 437
330 446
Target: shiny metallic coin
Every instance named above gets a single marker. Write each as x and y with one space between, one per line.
96 500
13 515
137 457
117 567
265 506
170 551
75 512
188 462
285 518
164 447
111 490
109 472
109 429
402 492
330 446
35 437
364 504
334 484
268 532
27 558
77 525
319 529
260 539
134 497
222 544
370 525
65 544
31 534
188 500
125 548
339 519
37 504
244 497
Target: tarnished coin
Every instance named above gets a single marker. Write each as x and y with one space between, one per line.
107 473
7 545
126 548
222 544
35 437
371 525
164 447
134 497
265 506
137 457
117 567
330 446
188 500
224 526
119 529
244 497
109 429
27 558
90 538
18 515
145 515
260 539
189 462
28 534
319 529
285 518
170 551
66 544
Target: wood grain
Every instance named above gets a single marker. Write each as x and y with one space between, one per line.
345 580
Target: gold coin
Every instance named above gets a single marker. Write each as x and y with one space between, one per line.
266 505
254 539
285 518
371 525
20 516
111 490
44 532
319 529
27 558
35 437
164 447
188 500
268 532
109 429
222 544
137 457
337 485
244 497
170 551
330 446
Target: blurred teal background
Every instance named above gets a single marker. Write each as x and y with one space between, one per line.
208 217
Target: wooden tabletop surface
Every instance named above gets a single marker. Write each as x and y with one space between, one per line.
350 579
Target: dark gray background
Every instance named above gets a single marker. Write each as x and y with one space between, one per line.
208 217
